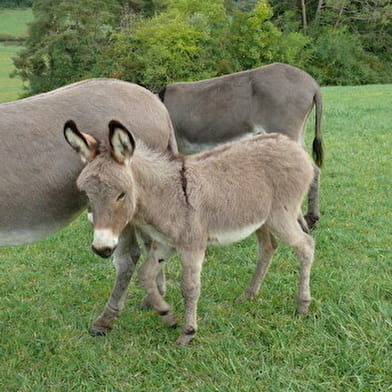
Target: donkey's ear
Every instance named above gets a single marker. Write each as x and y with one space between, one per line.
85 145
121 141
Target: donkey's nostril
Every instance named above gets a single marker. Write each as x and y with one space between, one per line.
103 252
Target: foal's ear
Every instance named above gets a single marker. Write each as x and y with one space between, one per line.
85 145
121 141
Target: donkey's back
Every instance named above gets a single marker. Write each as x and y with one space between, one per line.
241 185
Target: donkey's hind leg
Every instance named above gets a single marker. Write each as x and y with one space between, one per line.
267 245
151 278
289 230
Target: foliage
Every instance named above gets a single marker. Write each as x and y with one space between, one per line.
153 42
64 41
198 39
16 3
340 57
177 44
362 28
255 40
51 291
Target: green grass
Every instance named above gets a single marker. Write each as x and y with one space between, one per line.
12 24
14 21
50 292
10 88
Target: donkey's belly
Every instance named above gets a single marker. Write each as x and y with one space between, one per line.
36 231
226 237
22 237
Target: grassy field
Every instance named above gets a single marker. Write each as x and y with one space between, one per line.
51 291
12 24
10 89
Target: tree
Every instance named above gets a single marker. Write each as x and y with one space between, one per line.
255 40
16 3
64 41
182 43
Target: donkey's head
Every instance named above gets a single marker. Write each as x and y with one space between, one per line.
107 181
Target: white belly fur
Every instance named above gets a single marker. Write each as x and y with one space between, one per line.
221 238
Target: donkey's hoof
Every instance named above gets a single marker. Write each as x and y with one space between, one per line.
311 221
303 308
98 331
184 339
170 320
245 297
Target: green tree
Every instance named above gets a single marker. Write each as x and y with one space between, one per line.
351 39
16 3
255 40
182 43
64 41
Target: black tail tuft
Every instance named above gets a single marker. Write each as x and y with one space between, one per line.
318 152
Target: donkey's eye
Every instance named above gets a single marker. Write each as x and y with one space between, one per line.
121 196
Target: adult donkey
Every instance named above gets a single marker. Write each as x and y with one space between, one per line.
38 193
273 98
185 203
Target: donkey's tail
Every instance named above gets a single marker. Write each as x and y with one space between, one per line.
317 148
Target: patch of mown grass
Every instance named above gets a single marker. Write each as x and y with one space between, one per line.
10 88
50 292
14 22
13 27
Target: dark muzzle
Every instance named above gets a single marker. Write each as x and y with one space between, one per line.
103 252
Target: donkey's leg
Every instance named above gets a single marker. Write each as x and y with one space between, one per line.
313 214
267 245
160 280
191 270
289 230
151 279
125 258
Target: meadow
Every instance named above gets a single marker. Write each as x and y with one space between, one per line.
12 26
51 291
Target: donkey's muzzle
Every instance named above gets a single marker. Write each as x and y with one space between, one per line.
103 252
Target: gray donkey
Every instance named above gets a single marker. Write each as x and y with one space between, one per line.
187 203
38 193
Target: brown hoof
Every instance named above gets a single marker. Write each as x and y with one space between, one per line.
170 320
99 331
311 221
184 340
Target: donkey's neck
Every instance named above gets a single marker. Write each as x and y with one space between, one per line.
160 188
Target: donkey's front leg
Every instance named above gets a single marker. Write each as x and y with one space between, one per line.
151 278
191 270
161 279
125 258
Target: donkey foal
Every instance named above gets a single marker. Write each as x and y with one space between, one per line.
185 204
